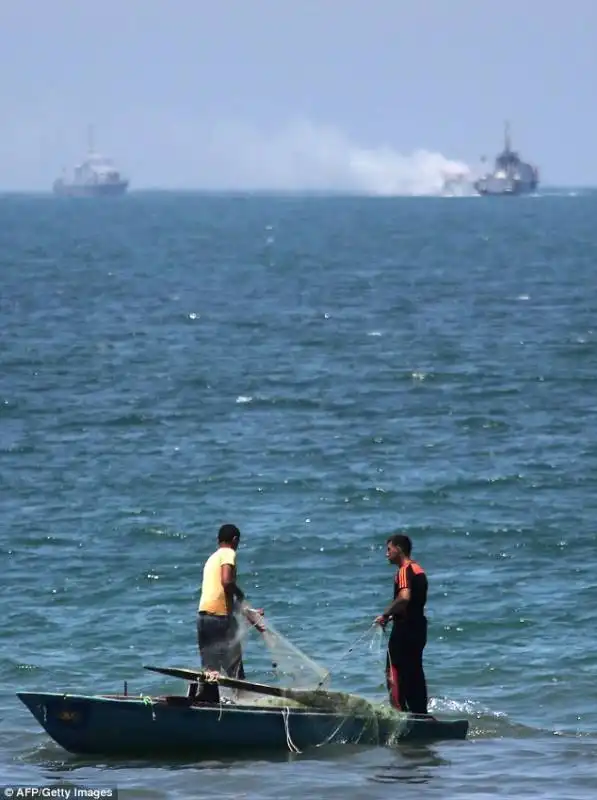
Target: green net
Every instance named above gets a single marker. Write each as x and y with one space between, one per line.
354 719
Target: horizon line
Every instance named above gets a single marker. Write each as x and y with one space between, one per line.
278 191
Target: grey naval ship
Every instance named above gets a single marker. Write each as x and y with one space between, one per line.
95 176
510 176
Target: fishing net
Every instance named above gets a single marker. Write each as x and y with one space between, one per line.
307 685
281 661
291 666
352 719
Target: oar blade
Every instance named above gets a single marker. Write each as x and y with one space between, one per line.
232 683
316 699
178 672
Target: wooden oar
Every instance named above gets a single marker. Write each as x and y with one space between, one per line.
317 699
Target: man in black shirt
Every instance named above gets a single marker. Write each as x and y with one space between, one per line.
405 676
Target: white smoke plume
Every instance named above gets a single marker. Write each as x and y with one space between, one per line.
304 156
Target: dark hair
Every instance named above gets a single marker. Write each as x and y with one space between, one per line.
402 541
227 533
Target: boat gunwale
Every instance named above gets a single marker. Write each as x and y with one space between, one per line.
161 701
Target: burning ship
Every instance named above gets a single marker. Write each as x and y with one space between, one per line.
510 176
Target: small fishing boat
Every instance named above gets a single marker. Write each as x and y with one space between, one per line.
204 722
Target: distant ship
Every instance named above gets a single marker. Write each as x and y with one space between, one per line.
95 176
510 175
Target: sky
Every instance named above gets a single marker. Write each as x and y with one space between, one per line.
377 96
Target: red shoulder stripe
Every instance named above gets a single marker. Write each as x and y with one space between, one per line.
403 578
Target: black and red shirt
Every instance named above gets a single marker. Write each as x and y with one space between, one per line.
412 576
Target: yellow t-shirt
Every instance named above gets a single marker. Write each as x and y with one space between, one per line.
213 596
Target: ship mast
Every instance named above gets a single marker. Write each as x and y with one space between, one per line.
507 137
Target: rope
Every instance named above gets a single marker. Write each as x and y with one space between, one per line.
285 716
147 701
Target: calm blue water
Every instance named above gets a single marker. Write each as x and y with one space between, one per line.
320 372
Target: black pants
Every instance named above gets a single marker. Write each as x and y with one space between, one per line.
405 675
219 645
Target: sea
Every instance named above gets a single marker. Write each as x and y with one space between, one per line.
321 371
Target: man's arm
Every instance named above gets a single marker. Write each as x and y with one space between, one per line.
228 578
395 608
233 590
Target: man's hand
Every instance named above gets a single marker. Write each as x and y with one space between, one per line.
255 617
381 620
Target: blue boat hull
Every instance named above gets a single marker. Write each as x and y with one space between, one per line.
126 725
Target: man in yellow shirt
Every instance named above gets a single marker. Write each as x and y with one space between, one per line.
218 635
